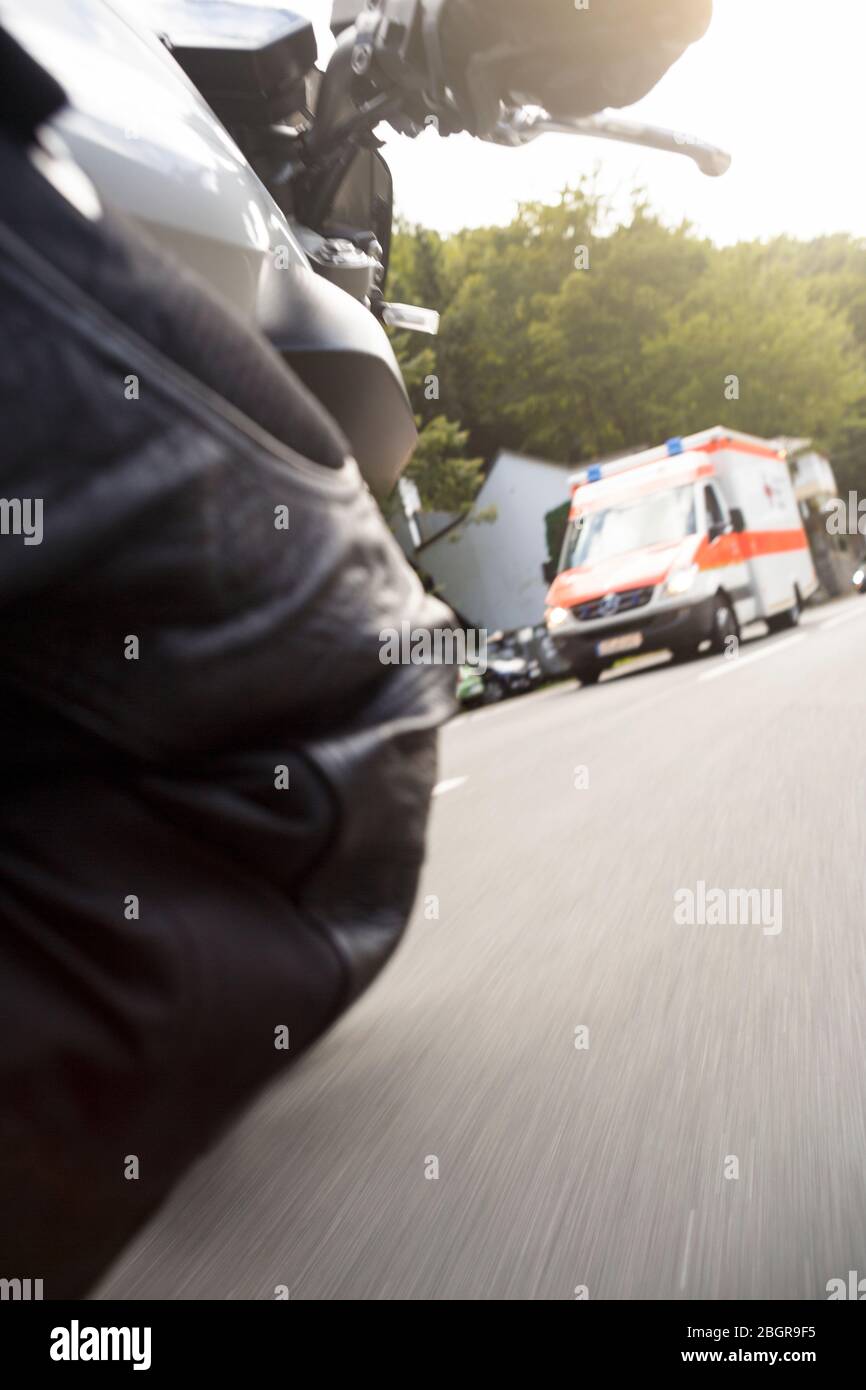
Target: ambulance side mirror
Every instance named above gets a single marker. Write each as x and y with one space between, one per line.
548 570
738 521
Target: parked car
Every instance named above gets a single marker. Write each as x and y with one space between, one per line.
470 686
509 670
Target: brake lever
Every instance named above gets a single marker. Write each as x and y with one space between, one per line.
524 124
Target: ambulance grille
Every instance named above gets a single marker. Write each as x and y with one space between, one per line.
611 605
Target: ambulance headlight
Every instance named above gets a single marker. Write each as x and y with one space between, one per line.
555 617
857 577
680 582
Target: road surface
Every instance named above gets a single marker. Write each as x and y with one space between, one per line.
707 1138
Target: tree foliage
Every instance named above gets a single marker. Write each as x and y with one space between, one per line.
567 336
446 479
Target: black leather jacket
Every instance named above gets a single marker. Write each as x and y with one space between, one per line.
166 902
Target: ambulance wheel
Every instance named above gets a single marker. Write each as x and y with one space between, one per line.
588 674
790 618
725 624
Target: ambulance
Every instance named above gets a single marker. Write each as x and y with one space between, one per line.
678 546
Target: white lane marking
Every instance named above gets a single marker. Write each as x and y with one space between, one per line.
740 661
843 618
684 1270
448 786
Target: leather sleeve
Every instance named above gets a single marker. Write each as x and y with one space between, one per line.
249 772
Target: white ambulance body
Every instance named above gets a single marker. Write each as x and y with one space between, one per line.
678 544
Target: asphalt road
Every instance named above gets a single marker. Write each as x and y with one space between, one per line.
605 1166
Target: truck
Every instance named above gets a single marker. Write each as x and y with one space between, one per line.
678 547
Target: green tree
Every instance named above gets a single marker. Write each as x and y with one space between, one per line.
569 335
754 348
446 478
586 343
494 278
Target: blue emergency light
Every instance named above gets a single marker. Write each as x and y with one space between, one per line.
593 473
674 446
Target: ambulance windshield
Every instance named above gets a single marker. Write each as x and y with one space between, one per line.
660 518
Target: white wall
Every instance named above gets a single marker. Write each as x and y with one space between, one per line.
491 571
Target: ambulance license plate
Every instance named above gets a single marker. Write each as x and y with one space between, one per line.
615 646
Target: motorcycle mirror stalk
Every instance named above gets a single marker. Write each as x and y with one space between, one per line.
410 317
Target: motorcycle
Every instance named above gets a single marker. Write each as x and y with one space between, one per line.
211 126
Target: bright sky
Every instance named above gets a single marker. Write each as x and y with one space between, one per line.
779 83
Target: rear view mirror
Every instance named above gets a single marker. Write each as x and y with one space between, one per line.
738 521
